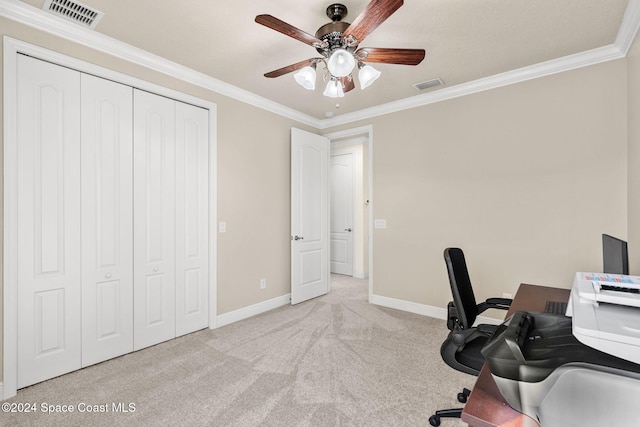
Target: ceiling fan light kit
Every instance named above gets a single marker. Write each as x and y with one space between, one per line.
338 42
306 77
367 75
341 63
334 89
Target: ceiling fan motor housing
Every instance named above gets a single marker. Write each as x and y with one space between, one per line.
332 34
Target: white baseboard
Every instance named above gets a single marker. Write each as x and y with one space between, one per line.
2 396
252 310
411 307
357 274
408 306
423 309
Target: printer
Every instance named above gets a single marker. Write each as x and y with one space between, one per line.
606 313
580 371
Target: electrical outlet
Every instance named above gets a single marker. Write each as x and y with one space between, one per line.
380 223
263 283
507 295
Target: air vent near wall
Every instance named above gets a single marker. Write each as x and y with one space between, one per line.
74 11
428 84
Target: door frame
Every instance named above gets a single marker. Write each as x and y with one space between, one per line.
367 132
13 47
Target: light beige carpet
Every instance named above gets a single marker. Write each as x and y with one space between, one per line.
333 361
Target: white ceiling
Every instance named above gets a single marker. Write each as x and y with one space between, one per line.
465 40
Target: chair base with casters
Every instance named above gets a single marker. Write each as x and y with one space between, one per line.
469 361
434 419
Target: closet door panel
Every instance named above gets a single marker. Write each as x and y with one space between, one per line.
192 233
154 219
48 232
107 223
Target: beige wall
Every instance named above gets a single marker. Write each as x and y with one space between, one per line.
254 201
524 178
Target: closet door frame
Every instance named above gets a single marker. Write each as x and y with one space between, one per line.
11 49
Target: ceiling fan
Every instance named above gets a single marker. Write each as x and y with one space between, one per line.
338 43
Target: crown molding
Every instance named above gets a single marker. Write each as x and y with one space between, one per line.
31 16
571 62
619 49
629 27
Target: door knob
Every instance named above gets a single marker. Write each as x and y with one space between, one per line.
298 238
347 229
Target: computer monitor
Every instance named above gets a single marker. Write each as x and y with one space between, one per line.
615 258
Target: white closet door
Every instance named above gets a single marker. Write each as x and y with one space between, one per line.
48 232
192 275
154 219
107 223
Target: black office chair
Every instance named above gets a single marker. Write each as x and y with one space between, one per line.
461 349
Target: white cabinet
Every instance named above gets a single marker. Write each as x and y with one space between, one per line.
112 224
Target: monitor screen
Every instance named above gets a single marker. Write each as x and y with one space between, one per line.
615 259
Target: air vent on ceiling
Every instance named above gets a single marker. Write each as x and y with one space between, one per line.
428 84
74 11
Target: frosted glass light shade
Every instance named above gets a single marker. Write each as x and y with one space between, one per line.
340 63
334 89
367 75
306 78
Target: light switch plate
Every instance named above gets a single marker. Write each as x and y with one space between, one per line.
222 227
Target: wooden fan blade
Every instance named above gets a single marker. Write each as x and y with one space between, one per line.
376 12
288 30
347 83
390 56
289 68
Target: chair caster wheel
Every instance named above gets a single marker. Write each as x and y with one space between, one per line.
464 395
434 420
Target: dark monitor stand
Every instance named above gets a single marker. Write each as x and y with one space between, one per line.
615 257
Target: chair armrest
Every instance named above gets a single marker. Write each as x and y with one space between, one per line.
500 301
497 303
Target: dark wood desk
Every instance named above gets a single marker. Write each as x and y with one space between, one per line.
486 406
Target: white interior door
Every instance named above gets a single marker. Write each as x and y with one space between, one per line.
154 219
309 215
192 222
48 232
341 224
107 222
